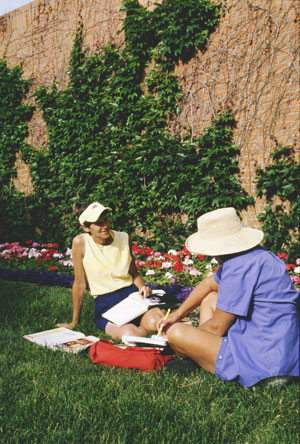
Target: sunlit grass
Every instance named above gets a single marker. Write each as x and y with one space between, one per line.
55 397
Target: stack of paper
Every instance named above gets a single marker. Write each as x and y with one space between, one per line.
154 341
132 307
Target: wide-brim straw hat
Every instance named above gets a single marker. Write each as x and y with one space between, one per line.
92 212
221 232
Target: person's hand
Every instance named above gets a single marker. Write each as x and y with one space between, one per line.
70 325
145 291
166 323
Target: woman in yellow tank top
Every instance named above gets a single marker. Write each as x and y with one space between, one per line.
105 259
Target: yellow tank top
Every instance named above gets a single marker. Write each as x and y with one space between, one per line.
107 266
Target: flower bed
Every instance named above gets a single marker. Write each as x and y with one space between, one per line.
175 271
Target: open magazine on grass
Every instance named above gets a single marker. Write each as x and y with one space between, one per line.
62 338
133 306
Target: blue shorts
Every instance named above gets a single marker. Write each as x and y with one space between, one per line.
104 302
225 367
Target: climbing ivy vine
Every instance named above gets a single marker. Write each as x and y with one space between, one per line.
14 115
279 184
109 137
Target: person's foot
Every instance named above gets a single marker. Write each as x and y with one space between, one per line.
181 366
277 381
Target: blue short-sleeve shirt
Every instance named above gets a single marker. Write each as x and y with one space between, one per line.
264 339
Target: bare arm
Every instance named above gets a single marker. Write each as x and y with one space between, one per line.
193 300
79 285
220 322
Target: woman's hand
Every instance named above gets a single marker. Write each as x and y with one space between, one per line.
166 323
145 291
70 325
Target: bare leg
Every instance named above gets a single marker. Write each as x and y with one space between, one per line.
208 307
197 344
128 329
148 324
151 317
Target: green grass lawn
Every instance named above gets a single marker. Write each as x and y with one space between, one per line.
54 397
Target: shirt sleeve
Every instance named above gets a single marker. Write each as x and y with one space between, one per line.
237 278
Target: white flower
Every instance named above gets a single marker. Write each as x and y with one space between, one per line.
174 252
214 261
58 255
297 270
209 267
166 265
34 253
148 272
168 275
68 263
188 261
68 252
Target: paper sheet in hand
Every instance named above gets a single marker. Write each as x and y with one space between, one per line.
131 308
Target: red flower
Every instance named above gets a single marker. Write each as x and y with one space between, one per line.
149 251
201 257
290 267
52 268
282 256
186 251
28 242
157 264
178 266
136 249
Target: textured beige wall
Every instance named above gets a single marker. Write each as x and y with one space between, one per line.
251 66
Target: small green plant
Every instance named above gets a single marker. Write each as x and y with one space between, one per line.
279 183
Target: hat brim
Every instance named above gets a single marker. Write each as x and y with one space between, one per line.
246 239
94 217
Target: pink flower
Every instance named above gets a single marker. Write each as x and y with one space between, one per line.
298 261
195 272
295 279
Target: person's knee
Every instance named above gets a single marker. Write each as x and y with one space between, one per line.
175 333
151 318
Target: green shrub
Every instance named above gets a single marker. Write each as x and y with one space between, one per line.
279 183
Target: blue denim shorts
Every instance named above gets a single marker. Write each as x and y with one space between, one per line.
104 302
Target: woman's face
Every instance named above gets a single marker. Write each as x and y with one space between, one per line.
100 230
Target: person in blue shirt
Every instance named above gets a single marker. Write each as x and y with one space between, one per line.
249 309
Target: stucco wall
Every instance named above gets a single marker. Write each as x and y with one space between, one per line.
251 66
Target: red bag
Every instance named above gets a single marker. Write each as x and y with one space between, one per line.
107 353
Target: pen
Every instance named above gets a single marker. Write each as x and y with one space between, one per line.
167 314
